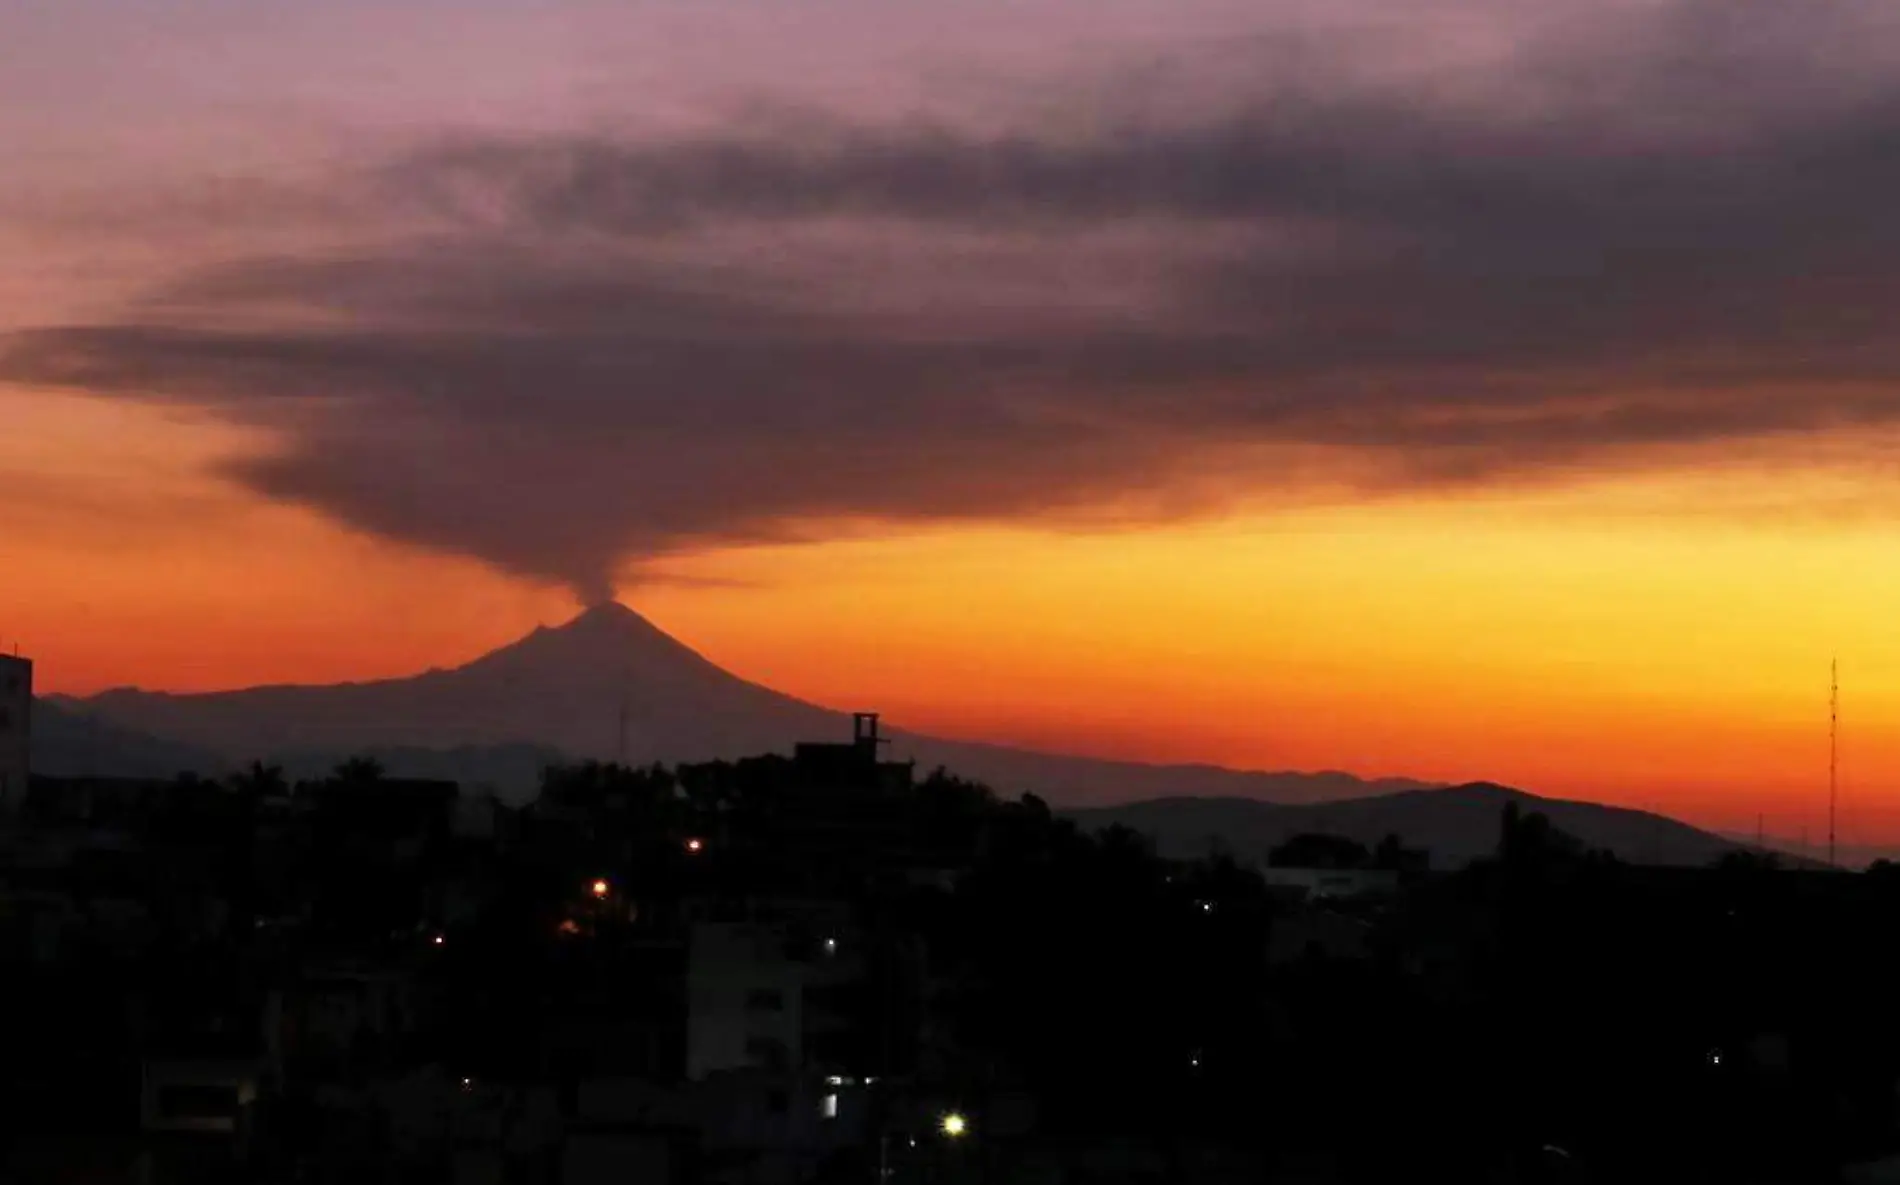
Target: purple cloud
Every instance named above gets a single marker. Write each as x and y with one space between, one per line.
583 350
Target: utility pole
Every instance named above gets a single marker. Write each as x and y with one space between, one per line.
1833 751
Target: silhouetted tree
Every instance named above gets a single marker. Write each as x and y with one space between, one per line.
359 771
1531 840
1741 861
260 781
1393 855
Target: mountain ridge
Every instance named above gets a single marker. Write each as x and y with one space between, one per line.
1457 824
609 684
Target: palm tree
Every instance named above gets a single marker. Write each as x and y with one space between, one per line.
260 781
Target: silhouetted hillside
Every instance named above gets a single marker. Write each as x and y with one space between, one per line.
605 678
609 685
73 742
1456 824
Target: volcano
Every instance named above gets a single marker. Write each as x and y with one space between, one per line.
611 685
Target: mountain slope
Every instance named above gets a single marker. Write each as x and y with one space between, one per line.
578 689
1456 824
607 685
75 743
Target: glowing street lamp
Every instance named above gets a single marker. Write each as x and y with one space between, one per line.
695 845
601 889
954 1125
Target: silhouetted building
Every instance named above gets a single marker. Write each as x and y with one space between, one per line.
1318 933
623 1131
761 994
777 1048
16 729
855 766
1320 883
208 1097
330 1020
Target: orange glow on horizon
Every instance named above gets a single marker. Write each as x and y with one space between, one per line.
1595 642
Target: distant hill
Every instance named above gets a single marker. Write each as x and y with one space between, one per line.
1457 824
610 684
72 742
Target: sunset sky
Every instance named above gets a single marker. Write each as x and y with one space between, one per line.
1498 390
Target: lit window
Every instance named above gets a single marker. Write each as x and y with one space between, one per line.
828 1108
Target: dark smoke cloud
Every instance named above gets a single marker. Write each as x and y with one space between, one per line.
601 351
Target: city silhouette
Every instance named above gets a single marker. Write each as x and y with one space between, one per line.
995 592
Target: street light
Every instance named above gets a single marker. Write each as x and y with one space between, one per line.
954 1125
601 888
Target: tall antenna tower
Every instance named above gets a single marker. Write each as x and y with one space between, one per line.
1833 749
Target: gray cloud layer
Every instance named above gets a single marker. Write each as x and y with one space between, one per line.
597 351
